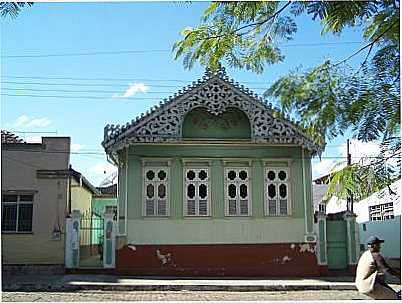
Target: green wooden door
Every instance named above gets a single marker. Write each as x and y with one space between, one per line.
336 245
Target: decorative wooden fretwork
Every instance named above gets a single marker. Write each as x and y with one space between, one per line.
215 93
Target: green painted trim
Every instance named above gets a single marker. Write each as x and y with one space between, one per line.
323 245
352 248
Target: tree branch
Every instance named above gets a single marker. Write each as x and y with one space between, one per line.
368 45
247 25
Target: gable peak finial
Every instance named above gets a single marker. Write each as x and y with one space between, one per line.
219 71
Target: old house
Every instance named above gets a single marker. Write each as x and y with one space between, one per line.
34 183
39 190
378 214
214 181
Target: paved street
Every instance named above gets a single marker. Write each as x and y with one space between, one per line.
180 296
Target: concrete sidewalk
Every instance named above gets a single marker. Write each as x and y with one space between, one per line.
122 283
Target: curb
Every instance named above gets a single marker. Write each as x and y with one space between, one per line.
116 287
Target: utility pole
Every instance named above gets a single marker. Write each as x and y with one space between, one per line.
349 162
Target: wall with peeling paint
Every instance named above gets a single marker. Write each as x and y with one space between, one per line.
295 259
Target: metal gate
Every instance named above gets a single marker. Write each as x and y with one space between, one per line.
91 240
336 244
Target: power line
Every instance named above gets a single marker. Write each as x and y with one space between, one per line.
127 52
104 153
134 52
33 132
99 84
112 79
79 97
75 91
79 84
94 79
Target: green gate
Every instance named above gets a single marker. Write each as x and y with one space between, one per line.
91 240
337 255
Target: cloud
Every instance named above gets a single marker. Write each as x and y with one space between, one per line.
25 121
34 139
76 147
323 167
358 150
133 88
103 168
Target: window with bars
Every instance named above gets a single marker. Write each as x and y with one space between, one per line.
17 210
322 208
196 184
381 212
237 192
277 192
156 193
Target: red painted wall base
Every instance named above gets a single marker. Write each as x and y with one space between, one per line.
241 260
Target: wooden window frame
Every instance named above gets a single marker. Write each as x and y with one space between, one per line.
238 183
166 182
196 183
277 182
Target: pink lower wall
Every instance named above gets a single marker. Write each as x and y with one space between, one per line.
242 260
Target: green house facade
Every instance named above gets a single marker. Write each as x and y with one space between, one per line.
213 182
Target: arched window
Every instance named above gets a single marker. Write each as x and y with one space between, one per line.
200 124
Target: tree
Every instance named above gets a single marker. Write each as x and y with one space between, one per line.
328 99
12 9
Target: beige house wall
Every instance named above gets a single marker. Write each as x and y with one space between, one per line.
20 163
81 197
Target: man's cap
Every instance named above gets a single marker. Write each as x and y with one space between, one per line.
374 240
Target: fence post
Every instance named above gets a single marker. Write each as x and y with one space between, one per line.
322 238
109 243
72 245
352 238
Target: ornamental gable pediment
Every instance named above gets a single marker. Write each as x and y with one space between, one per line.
214 93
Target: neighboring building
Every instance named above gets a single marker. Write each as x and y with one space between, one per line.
34 200
214 182
82 192
105 200
378 214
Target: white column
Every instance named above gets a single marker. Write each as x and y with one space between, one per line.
109 243
72 245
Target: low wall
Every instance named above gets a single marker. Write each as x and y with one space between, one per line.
242 260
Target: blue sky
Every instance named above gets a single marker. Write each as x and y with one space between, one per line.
49 34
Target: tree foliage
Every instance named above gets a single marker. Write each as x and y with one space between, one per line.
12 9
328 99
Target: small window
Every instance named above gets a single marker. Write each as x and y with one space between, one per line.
277 189
196 196
17 213
156 191
381 212
237 192
322 207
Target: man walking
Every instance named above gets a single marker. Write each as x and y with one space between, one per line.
372 270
